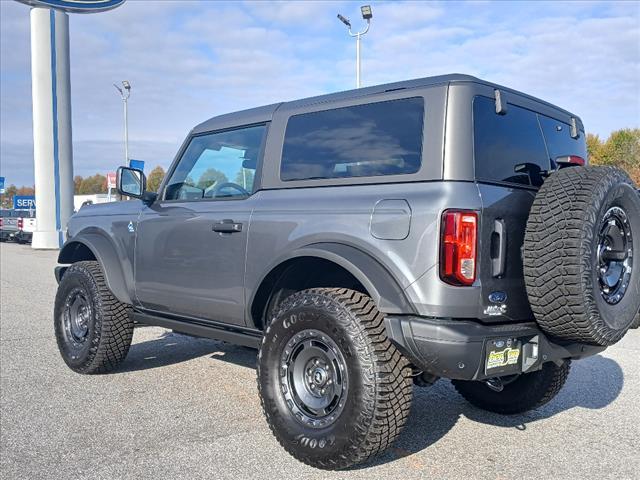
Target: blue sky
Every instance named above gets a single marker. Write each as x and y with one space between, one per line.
188 61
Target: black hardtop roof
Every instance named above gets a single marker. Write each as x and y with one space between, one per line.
265 113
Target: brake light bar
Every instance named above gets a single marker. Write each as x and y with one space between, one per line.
458 247
568 160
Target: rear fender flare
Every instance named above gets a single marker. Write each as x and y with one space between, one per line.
383 288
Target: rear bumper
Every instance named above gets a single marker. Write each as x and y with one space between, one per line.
8 234
457 349
24 237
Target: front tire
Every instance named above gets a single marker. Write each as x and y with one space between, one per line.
93 329
526 392
334 389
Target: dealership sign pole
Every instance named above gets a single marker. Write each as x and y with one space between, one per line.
51 92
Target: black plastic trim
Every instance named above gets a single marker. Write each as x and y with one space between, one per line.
456 349
199 327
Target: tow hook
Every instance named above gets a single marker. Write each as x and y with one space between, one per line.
495 384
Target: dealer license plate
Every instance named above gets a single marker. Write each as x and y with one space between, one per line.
503 356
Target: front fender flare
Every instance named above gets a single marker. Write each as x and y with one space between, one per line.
105 253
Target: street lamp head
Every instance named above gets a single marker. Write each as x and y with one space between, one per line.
344 20
367 14
126 84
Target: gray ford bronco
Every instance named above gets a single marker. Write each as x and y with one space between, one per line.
367 241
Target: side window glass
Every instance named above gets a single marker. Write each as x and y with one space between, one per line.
557 134
508 148
217 165
382 138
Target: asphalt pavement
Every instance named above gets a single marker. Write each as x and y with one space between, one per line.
182 407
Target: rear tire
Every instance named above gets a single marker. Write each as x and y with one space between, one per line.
527 392
364 381
93 329
581 274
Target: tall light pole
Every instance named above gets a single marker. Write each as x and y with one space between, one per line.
367 14
125 92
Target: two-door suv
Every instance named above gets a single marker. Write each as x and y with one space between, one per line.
365 241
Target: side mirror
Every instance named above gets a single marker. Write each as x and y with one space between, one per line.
130 182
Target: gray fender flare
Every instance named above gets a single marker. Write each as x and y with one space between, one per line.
384 289
105 253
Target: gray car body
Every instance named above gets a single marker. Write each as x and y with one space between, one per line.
164 258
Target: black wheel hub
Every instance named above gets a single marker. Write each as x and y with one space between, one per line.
313 378
75 317
615 255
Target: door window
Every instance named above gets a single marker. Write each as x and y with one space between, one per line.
217 166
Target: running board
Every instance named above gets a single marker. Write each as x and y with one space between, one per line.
236 335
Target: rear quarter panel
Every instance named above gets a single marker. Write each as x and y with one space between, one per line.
289 219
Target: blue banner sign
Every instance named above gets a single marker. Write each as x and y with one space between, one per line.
1 184
24 202
137 164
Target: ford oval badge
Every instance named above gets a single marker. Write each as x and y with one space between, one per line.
497 297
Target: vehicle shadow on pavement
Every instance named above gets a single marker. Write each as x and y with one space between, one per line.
172 348
593 383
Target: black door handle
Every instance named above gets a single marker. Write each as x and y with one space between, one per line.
227 226
499 248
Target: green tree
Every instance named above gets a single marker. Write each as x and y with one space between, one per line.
94 184
26 191
622 149
594 145
155 179
77 181
211 177
7 196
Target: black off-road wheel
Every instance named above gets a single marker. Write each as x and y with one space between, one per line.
334 389
582 255
521 393
92 327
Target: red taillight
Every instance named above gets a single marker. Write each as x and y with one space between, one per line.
1 221
458 247
20 223
567 160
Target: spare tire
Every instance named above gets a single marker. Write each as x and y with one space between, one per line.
582 279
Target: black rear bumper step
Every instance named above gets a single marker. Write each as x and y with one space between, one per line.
457 349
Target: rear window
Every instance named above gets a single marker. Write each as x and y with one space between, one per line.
383 138
508 148
559 142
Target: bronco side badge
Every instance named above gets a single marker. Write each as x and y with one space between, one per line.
131 228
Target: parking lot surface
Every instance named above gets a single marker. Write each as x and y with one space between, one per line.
182 407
